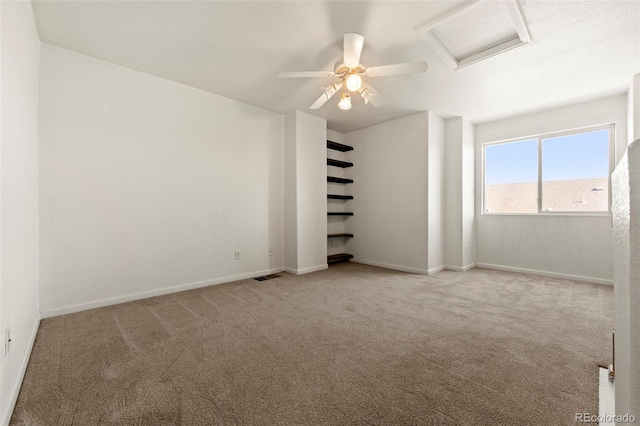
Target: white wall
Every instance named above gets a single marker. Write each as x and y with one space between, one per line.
468 195
306 161
569 246
391 175
19 305
148 186
626 221
338 224
459 215
290 193
453 193
634 109
626 228
436 182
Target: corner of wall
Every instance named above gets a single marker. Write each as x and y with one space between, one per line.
390 222
290 192
22 369
436 191
305 192
459 194
19 240
633 109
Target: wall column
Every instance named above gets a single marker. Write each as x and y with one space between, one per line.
305 193
459 195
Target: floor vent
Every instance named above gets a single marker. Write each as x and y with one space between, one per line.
267 277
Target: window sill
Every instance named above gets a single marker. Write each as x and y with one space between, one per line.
574 214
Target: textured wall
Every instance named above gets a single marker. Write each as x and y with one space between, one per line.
626 255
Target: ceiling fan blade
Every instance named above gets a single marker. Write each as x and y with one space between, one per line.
408 68
327 93
321 101
375 99
304 74
352 48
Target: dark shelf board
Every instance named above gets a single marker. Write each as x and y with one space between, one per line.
342 257
339 197
340 235
340 214
339 146
338 163
334 179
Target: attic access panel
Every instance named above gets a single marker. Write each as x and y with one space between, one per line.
477 31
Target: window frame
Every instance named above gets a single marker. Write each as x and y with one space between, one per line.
540 136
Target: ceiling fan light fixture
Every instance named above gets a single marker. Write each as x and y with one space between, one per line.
354 82
329 91
345 102
366 95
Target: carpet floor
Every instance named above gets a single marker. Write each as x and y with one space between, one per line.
351 345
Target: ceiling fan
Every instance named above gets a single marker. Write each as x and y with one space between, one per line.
351 73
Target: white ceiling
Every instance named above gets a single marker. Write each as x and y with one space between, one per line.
579 51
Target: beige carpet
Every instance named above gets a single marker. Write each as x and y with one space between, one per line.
353 345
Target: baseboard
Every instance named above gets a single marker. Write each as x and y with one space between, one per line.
15 389
391 266
544 273
436 269
306 270
152 293
460 268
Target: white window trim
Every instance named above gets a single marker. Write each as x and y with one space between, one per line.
540 137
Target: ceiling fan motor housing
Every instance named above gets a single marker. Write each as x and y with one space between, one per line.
341 69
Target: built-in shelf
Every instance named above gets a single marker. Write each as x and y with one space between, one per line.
338 163
342 257
334 179
338 146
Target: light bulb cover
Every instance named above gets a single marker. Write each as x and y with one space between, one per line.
366 95
353 82
345 101
329 91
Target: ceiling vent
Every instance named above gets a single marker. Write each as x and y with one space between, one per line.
477 31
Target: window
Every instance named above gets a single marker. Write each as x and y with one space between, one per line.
565 172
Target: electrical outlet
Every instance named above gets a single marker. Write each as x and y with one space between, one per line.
270 251
237 254
7 341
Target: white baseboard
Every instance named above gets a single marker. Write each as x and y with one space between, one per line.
436 269
391 266
545 273
306 270
152 293
15 389
460 268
